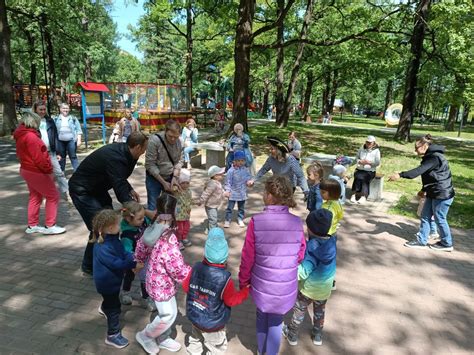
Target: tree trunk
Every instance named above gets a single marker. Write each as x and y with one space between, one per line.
266 96
334 87
50 60
32 56
411 80
326 93
243 42
297 63
465 113
280 66
307 96
63 74
189 53
453 113
8 119
388 96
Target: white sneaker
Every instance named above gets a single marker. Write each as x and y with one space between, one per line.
241 223
226 224
170 345
54 230
126 298
362 200
150 304
353 198
34 229
148 344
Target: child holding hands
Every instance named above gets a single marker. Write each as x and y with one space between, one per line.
315 174
183 208
273 248
109 262
211 295
212 195
236 188
165 269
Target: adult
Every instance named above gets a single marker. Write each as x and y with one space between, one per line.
36 169
189 137
70 136
124 128
106 168
281 162
294 145
163 162
368 159
49 136
438 187
238 141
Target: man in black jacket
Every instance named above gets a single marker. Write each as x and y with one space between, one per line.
107 168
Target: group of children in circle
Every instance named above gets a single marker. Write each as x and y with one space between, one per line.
149 243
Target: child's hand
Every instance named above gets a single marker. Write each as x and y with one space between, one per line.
250 183
227 194
421 194
138 267
197 202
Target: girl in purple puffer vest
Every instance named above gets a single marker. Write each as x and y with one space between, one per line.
273 248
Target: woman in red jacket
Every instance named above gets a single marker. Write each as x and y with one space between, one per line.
36 169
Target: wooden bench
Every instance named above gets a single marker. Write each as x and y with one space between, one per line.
376 188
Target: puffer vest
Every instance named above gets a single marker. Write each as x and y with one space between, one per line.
438 183
204 305
274 281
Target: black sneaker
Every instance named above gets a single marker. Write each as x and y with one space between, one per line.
441 247
293 341
318 338
415 244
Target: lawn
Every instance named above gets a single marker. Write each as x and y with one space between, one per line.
396 157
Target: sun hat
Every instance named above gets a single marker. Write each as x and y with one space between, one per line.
215 170
338 169
184 176
216 249
239 155
319 222
278 143
370 139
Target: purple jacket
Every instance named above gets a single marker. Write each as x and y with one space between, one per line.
273 248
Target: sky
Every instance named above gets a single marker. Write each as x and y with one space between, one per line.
127 12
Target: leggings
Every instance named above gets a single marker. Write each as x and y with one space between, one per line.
268 332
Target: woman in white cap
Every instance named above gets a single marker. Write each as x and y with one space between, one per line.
368 159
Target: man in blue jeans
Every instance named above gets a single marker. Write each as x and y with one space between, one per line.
163 162
106 168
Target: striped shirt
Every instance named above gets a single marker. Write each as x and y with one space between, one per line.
236 183
290 168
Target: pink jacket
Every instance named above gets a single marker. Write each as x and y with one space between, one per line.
166 266
213 194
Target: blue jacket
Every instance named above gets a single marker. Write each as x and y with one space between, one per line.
236 183
73 123
109 263
315 201
205 307
317 271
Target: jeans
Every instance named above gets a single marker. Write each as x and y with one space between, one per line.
215 342
153 191
58 173
69 148
211 217
361 183
439 209
186 152
88 206
41 186
299 312
269 327
161 325
111 307
230 207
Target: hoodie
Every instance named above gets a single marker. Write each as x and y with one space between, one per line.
31 150
317 271
435 174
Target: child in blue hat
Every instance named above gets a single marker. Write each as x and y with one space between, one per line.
210 294
236 188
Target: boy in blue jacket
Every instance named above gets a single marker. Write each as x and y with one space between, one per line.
315 275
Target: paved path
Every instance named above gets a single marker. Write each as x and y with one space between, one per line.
390 299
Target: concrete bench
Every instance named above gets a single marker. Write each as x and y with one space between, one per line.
195 158
376 188
215 153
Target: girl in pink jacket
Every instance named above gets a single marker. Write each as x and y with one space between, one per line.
166 269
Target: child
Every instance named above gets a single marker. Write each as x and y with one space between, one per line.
236 188
134 222
109 262
315 173
315 275
210 295
273 248
339 174
183 209
212 195
165 268
331 192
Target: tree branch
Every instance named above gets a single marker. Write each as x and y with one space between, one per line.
278 21
177 29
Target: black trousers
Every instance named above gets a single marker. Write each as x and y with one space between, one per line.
362 181
111 308
127 283
88 206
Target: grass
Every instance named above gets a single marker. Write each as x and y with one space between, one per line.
396 157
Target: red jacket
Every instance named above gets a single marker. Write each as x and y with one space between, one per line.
31 151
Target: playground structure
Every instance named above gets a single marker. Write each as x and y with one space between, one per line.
393 113
155 103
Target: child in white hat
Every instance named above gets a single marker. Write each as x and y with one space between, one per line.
183 209
213 194
339 174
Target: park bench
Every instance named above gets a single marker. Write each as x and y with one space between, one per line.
215 155
376 188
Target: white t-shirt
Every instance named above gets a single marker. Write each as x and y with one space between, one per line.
43 128
65 133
